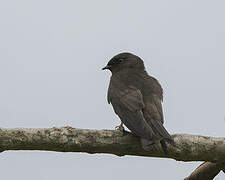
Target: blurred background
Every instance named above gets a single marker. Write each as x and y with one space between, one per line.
51 55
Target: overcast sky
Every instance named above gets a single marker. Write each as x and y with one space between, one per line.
51 53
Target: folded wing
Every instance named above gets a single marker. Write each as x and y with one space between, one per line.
128 105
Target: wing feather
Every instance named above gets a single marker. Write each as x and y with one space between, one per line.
128 105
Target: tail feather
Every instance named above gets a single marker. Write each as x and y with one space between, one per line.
147 144
162 134
164 146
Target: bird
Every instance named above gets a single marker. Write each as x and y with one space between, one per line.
137 98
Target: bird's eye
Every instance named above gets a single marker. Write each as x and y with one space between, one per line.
120 60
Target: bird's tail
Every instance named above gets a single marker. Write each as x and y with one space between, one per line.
146 144
162 134
164 146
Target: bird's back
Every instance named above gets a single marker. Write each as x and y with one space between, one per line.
149 87
152 95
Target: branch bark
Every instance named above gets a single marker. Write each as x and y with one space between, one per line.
68 139
206 171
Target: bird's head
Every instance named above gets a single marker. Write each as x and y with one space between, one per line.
124 61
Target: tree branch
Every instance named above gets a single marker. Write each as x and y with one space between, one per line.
67 139
206 171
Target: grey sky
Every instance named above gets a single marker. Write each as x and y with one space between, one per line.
51 53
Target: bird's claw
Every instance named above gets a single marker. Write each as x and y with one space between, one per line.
120 128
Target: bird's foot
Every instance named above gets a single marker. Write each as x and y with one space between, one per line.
120 127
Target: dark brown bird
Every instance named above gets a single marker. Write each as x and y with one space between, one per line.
136 98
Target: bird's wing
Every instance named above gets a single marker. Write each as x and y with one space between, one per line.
128 105
153 113
155 97
153 116
154 108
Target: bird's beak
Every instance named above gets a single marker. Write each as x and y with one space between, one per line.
106 67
